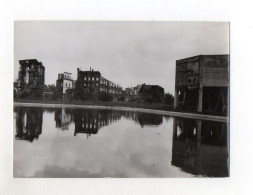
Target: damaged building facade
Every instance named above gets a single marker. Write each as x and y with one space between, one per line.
94 83
31 78
202 84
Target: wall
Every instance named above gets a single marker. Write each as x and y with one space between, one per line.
215 70
69 84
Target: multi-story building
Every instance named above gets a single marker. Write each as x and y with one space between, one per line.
63 83
92 82
202 84
31 78
88 80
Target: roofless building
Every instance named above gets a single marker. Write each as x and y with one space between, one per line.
31 77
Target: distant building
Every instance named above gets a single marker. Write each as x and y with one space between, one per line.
137 90
129 94
132 93
151 93
202 84
31 78
88 80
63 83
92 82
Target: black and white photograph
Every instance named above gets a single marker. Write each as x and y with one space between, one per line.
126 97
121 99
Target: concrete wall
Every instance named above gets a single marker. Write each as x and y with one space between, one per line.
215 70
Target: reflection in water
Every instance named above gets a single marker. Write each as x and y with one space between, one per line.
193 147
62 118
200 147
28 123
149 119
87 121
90 121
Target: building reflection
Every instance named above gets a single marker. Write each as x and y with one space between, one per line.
87 121
200 147
144 119
28 123
63 118
90 121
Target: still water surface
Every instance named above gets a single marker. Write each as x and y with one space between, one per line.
65 142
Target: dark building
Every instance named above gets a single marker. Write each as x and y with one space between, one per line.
92 82
201 147
31 78
151 93
202 84
88 80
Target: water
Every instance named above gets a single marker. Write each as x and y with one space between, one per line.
65 142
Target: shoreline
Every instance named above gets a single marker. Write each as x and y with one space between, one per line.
125 108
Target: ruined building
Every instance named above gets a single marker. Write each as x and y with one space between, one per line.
92 82
31 78
151 93
202 84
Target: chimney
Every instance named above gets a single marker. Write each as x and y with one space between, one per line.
90 68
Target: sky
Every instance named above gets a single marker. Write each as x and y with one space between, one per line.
126 53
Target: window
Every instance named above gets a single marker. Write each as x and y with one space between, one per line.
97 78
93 78
85 78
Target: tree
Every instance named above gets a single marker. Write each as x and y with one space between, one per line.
169 99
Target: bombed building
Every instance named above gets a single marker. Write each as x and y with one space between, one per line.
202 84
93 83
151 93
31 78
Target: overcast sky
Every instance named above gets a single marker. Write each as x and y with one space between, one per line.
127 53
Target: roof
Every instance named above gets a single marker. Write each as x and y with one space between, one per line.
145 87
29 62
195 58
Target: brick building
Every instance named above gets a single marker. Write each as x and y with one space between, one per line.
92 82
202 84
